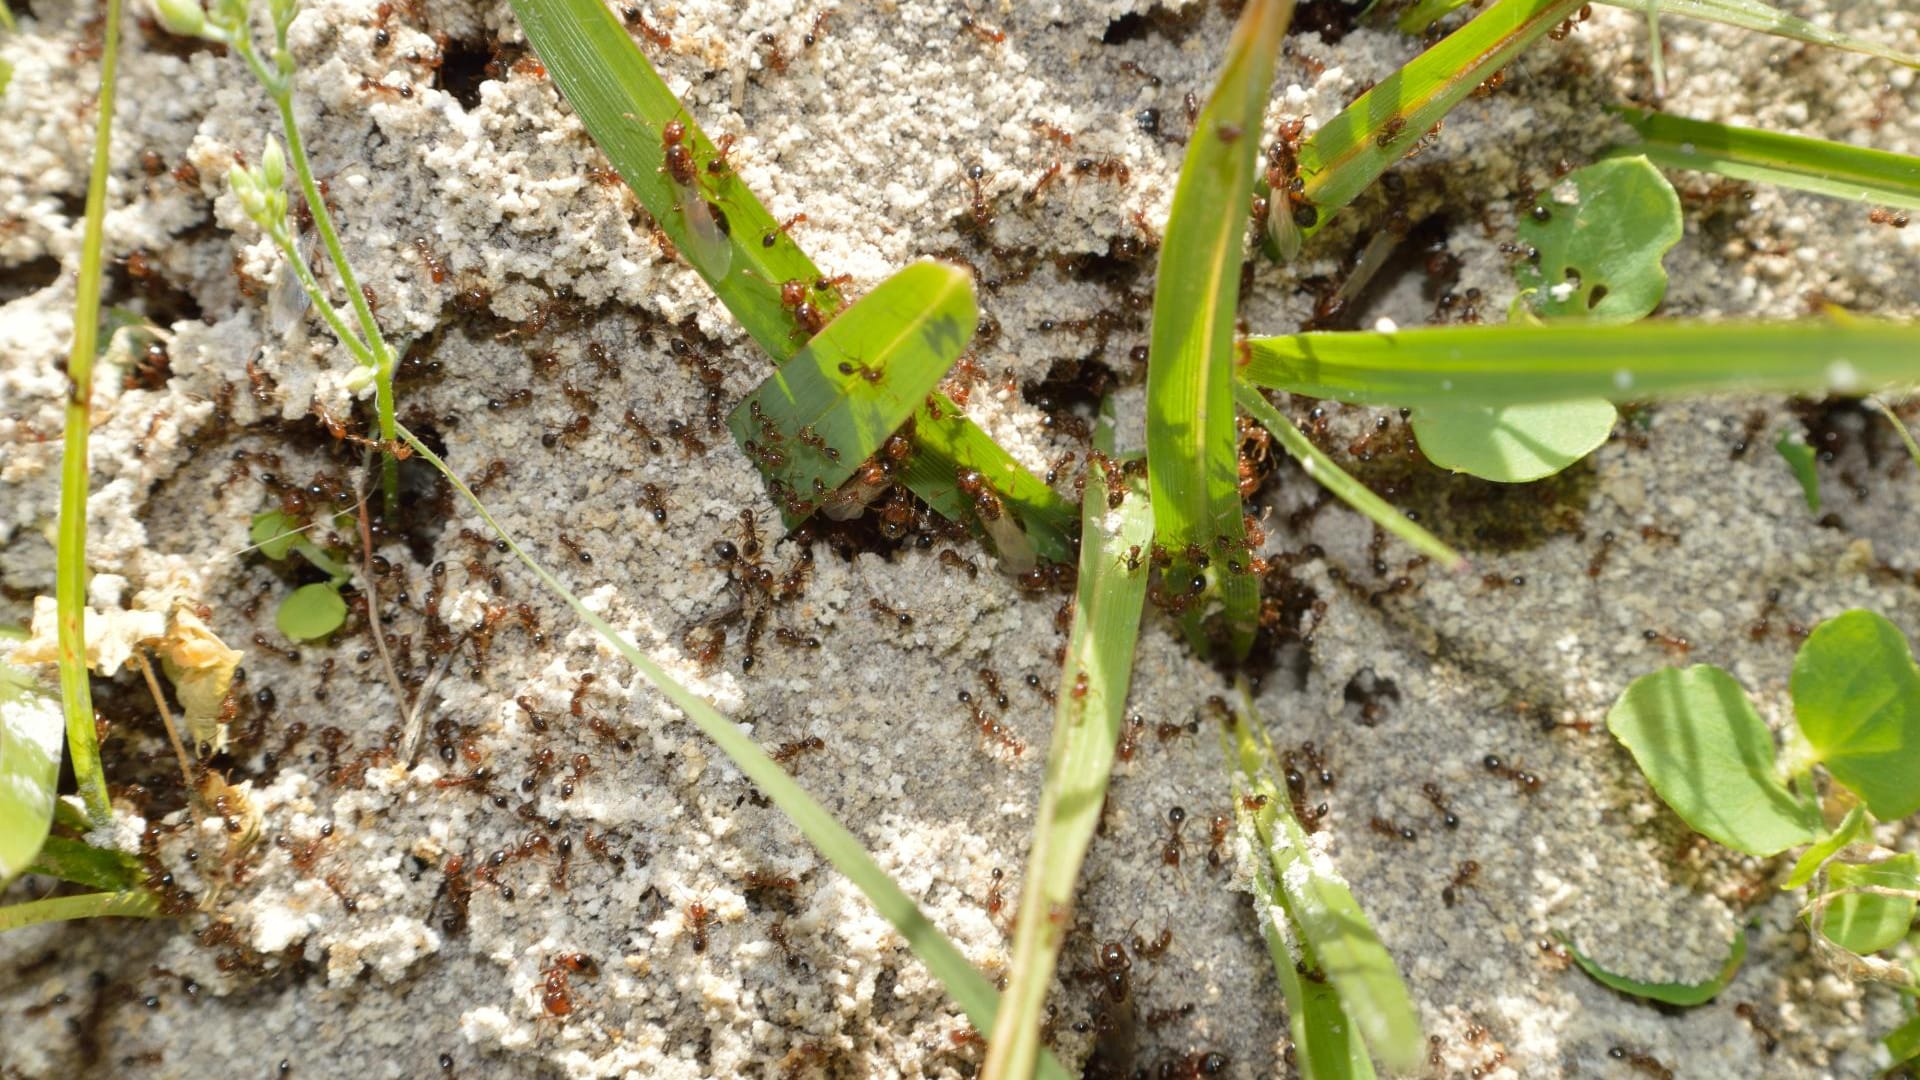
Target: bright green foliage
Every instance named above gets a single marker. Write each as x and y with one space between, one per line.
1865 923
1801 459
75 862
1599 261
1682 994
1190 422
1341 483
1767 18
1323 918
811 423
1513 444
1091 701
1903 1042
1794 161
625 106
1373 134
1711 758
1852 827
1856 698
311 612
1600 252
842 849
1643 361
30 731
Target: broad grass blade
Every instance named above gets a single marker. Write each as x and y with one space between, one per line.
1771 157
626 107
1190 432
813 422
1515 364
1086 725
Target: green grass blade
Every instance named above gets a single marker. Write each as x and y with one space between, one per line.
945 442
1190 434
812 423
1330 922
135 904
70 575
625 106
1681 994
1371 135
1341 483
30 731
970 989
1425 13
1513 365
1756 15
1086 725
6 23
1770 157
96 868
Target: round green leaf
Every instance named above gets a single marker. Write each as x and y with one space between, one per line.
1856 697
273 533
1600 256
312 611
1708 754
1515 443
1866 923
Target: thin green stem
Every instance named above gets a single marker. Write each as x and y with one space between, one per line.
311 286
133 904
70 577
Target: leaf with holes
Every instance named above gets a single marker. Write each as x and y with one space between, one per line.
1601 233
1856 698
1711 758
1865 923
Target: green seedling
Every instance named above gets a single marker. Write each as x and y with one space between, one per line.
1594 248
262 196
1190 423
1709 756
763 277
1801 459
314 610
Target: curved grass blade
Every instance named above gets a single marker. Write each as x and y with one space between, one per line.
626 107
1368 137
946 442
1851 828
812 422
1190 434
96 868
1515 364
1682 994
135 904
1771 157
970 989
70 575
1756 15
30 731
1093 694
1329 920
1341 483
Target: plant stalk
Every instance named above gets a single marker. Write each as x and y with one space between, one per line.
70 576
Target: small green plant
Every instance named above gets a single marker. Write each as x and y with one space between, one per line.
261 191
1594 246
1710 757
313 610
